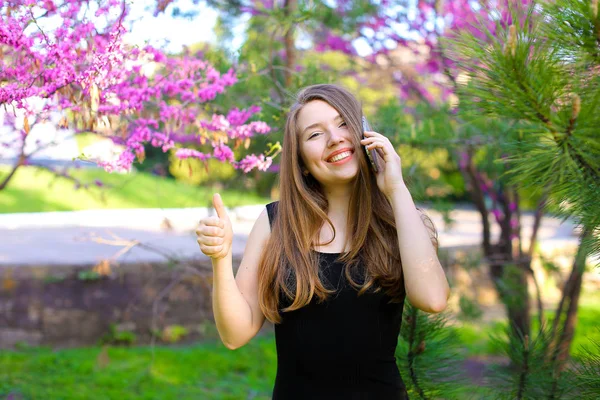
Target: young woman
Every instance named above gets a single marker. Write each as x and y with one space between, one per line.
332 261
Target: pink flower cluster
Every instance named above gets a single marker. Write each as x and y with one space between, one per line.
335 43
234 124
191 153
85 70
252 161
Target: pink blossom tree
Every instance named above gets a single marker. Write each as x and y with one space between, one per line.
69 58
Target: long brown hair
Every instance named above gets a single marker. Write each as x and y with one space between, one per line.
287 266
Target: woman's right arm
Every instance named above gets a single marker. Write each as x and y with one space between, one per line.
235 300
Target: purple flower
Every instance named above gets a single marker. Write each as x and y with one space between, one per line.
252 161
223 153
217 123
191 153
237 117
335 43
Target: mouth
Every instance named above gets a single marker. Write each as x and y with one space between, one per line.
341 157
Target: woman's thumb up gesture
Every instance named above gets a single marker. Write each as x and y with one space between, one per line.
215 234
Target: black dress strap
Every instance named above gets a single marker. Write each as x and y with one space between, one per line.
272 211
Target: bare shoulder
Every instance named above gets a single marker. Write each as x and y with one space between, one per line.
259 234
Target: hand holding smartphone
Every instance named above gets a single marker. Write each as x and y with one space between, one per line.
371 154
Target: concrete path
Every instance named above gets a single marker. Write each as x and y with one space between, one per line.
87 237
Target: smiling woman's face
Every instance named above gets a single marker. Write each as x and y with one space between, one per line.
324 133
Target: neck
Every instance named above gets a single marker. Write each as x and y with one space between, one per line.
338 199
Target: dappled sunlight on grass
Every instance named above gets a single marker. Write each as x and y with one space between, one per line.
163 376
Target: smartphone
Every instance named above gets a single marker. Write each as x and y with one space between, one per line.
371 154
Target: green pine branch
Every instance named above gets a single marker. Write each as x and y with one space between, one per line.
429 356
543 73
587 371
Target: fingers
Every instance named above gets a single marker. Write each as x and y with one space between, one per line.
381 145
213 221
374 134
219 206
210 250
214 233
370 135
208 230
211 238
374 143
210 241
374 137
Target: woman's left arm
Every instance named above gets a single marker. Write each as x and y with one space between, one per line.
424 278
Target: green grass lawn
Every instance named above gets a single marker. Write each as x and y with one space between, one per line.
36 190
201 371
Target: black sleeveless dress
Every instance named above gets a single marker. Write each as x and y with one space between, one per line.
342 348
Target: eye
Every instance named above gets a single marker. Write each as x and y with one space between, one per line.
316 133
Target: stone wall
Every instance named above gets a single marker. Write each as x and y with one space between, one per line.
65 306
76 305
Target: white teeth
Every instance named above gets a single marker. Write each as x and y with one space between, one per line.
340 156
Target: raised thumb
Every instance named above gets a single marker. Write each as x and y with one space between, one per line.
219 206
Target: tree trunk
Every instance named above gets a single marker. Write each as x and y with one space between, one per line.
561 342
570 298
509 276
537 222
510 281
20 161
290 48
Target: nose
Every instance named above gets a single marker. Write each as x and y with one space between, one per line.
335 138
